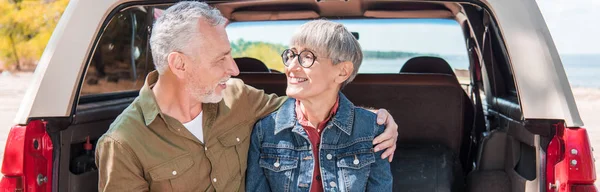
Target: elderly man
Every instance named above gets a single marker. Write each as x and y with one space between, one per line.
189 128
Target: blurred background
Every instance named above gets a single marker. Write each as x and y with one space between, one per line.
26 26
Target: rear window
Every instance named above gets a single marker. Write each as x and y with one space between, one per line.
387 43
122 56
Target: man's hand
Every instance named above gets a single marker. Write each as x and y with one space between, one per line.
387 139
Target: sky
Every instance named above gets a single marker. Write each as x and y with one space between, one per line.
438 36
573 24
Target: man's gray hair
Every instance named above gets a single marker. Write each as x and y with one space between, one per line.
177 29
331 40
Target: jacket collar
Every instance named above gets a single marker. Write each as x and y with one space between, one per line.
343 119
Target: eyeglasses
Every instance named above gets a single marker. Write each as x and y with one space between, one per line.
306 59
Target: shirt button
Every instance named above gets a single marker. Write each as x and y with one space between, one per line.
332 184
329 156
205 148
178 129
356 161
276 164
215 180
237 139
174 172
318 177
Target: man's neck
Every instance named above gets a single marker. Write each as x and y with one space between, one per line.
173 100
317 110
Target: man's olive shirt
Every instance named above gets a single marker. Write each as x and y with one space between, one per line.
146 150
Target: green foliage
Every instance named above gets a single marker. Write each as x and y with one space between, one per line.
26 27
268 53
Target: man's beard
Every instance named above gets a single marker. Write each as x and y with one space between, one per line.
205 94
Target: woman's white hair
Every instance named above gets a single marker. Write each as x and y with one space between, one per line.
177 29
332 40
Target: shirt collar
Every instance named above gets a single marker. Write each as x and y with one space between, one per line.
286 116
147 101
303 120
150 109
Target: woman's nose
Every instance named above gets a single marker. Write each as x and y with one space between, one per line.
294 64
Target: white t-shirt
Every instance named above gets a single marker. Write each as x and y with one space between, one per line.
195 127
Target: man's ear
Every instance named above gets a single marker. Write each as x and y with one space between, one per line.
176 64
345 71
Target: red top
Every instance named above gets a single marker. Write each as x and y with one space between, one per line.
314 135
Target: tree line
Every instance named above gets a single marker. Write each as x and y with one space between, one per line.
270 53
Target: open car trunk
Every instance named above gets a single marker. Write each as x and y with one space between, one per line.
432 153
450 138
91 120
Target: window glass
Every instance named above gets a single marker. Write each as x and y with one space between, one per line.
122 57
387 43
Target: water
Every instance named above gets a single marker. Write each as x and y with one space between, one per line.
582 70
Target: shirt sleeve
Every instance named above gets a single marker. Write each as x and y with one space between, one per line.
261 103
118 168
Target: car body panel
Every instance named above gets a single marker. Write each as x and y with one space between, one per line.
542 83
543 88
56 78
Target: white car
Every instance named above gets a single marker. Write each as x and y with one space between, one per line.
497 114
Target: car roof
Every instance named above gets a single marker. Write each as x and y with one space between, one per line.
543 89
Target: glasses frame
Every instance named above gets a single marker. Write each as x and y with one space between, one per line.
299 58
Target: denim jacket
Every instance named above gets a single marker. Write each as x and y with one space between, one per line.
280 155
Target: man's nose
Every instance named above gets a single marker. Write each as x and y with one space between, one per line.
233 70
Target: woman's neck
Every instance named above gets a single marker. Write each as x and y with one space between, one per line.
317 109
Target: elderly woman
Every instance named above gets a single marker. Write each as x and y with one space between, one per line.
318 140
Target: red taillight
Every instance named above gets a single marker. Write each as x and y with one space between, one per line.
11 183
554 154
27 164
584 188
569 161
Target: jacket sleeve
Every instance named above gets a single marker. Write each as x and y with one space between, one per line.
380 178
118 168
256 180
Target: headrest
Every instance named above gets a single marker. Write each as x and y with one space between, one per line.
426 64
248 64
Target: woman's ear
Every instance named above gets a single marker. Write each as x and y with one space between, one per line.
176 64
345 71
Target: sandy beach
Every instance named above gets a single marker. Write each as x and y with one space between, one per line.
12 90
13 87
